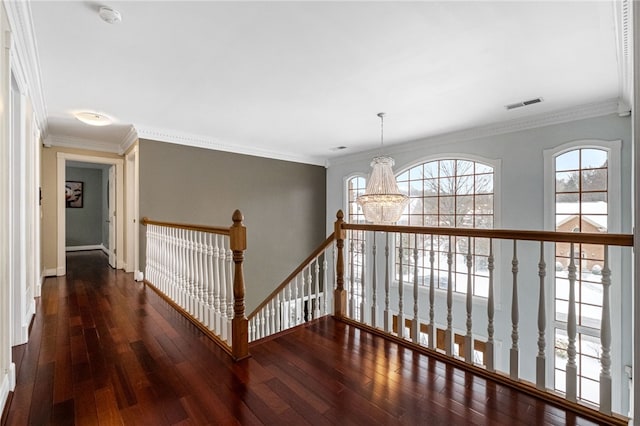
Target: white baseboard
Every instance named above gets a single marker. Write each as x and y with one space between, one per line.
83 248
61 271
48 273
7 384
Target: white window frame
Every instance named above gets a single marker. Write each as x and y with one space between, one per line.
614 225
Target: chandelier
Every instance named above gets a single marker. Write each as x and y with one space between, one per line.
382 203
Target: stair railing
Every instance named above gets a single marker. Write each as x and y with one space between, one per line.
301 297
415 275
198 270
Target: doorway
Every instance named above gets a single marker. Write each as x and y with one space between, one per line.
113 221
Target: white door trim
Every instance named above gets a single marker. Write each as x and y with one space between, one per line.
63 157
132 185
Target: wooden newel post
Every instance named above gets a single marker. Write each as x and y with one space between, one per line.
239 324
340 295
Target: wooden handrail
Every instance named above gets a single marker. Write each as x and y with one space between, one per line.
202 228
322 247
625 240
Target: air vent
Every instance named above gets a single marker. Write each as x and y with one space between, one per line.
523 103
338 148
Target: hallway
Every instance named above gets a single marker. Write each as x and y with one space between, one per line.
106 350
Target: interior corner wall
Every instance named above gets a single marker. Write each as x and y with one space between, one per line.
283 204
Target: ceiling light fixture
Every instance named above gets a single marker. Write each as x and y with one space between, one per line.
93 118
109 15
382 202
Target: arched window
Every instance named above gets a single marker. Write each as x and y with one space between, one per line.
581 205
355 187
456 193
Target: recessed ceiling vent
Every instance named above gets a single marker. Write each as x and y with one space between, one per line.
523 103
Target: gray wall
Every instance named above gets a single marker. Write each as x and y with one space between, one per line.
84 225
283 204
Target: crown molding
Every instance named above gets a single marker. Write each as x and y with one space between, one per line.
162 135
128 140
81 143
624 49
591 110
24 43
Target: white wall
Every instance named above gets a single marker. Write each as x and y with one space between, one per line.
520 206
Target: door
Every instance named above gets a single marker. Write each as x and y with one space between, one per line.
111 202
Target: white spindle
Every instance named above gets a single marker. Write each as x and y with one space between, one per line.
605 338
210 281
267 323
448 337
351 279
230 312
571 368
468 338
192 273
278 314
400 292
223 290
432 323
374 284
309 294
325 290
514 368
415 324
363 285
541 366
490 354
316 303
387 312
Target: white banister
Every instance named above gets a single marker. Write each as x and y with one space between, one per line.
351 280
514 356
374 285
316 304
432 324
541 367
192 268
387 312
571 368
415 324
448 336
400 322
490 354
468 338
363 284
605 337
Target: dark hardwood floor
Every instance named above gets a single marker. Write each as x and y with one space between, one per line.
105 350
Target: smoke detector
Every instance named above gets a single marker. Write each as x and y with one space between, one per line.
109 15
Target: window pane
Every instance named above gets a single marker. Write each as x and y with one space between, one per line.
464 204
465 185
464 168
568 161
415 189
430 186
594 180
447 168
567 181
430 205
447 205
483 168
573 198
447 186
415 173
593 158
484 204
594 198
484 183
594 223
431 169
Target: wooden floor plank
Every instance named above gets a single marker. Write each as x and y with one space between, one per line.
106 350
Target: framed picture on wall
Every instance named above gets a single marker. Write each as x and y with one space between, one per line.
74 194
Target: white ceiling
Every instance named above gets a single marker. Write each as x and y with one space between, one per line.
295 80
